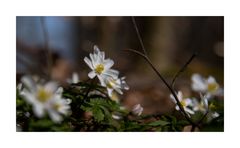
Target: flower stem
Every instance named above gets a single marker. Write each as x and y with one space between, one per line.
89 89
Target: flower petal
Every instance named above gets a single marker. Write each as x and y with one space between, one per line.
137 109
91 74
112 73
28 82
189 102
88 62
109 90
180 95
211 79
38 110
204 101
29 97
75 78
94 60
56 117
118 90
59 91
172 98
189 110
116 117
96 49
108 63
124 86
198 83
51 86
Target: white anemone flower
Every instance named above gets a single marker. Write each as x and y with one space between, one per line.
185 102
201 106
115 84
100 66
45 98
137 110
58 106
208 86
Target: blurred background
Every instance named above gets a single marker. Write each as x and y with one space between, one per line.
169 41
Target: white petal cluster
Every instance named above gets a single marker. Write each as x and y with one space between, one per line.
137 110
209 87
192 105
101 68
187 103
115 84
45 98
203 106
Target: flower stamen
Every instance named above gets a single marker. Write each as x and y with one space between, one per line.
212 87
43 95
99 68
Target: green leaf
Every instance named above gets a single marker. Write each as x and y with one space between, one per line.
182 122
98 114
159 123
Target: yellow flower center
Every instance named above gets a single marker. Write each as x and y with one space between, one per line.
212 106
111 84
212 87
183 103
43 95
56 106
99 68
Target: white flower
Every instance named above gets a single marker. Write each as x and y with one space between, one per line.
58 105
74 79
45 98
202 105
137 110
185 102
114 84
208 86
100 66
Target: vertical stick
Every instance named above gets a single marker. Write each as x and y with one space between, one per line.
139 36
46 46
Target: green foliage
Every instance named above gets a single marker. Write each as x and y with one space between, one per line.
93 110
159 123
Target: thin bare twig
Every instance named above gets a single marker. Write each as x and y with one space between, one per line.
139 36
144 55
46 42
182 69
165 82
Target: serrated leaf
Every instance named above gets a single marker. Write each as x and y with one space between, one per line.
98 114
